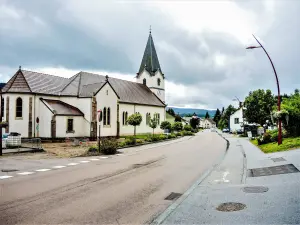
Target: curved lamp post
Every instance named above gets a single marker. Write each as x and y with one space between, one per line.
278 88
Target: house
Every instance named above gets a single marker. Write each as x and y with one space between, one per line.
208 123
236 120
46 106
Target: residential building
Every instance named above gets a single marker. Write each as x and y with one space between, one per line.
236 120
208 123
47 106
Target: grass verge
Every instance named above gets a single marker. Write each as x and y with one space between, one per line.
287 144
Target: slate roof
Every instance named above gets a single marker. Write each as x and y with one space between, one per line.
211 120
61 108
150 60
82 84
85 84
29 81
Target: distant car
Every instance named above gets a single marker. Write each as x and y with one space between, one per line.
225 130
239 131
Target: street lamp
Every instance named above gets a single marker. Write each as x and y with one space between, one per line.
277 81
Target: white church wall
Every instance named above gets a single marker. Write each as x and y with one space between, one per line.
79 126
19 125
143 110
107 98
45 117
83 104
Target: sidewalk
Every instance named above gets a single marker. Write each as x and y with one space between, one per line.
271 199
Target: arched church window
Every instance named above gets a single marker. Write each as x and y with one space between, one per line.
144 81
158 81
19 107
104 116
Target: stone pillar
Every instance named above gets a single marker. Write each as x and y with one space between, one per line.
53 127
30 118
7 114
94 119
118 121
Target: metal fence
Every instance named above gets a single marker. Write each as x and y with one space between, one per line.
34 143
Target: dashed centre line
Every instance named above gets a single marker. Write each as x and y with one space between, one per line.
72 164
25 173
84 161
58 167
43 170
5 177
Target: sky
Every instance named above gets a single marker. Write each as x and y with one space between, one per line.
200 44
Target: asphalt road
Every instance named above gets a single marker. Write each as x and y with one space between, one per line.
129 189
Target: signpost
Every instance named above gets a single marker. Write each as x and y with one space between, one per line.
99 120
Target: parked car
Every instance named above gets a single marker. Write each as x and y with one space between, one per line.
225 130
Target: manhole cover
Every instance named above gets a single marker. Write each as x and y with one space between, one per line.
280 159
9 170
173 196
255 189
231 206
273 170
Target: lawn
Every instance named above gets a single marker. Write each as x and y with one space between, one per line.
287 144
138 136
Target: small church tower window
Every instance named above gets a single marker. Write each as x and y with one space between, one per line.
19 107
158 81
144 81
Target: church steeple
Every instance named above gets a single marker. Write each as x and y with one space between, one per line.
150 60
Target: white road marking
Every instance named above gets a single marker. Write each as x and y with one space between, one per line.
5 177
94 159
25 173
84 161
104 157
43 170
120 154
58 167
72 164
223 178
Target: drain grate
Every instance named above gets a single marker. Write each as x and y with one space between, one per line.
9 170
173 196
273 170
231 207
255 189
280 159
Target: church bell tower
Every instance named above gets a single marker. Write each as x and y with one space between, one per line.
150 72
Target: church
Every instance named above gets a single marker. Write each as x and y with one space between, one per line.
47 106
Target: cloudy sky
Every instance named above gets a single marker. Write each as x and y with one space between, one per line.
200 44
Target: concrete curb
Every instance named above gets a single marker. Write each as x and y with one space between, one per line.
163 216
243 181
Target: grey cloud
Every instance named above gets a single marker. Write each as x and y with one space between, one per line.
113 36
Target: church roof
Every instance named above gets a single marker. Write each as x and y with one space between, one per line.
82 84
61 108
150 60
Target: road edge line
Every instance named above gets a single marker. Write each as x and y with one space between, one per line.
165 214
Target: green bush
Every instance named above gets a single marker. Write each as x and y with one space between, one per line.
274 134
177 126
163 137
187 133
172 136
194 130
165 125
109 146
93 149
155 138
188 127
122 144
148 138
130 141
140 141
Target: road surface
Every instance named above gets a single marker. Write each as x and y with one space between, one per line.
128 189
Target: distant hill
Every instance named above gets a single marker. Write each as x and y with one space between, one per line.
187 111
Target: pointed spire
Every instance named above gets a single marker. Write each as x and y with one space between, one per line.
150 60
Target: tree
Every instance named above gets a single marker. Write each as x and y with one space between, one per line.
224 121
222 111
177 126
194 122
217 116
134 120
259 106
292 106
165 125
206 115
153 124
177 118
171 111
